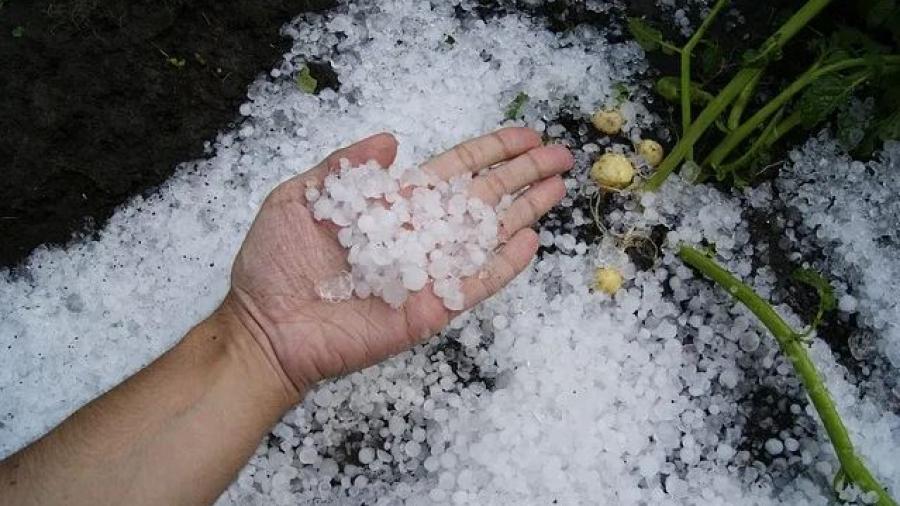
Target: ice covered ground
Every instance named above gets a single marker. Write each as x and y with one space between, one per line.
549 391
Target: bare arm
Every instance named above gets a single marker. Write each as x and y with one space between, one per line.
179 431
175 433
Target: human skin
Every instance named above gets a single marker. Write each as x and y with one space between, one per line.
178 431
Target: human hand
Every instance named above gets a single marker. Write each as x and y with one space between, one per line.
287 253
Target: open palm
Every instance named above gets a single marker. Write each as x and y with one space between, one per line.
287 253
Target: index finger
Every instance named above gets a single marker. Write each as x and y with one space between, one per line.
482 152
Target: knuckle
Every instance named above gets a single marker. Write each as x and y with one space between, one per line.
534 165
496 185
505 147
535 209
467 156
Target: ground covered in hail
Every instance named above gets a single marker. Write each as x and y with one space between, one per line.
550 392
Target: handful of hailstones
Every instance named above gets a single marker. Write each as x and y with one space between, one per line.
404 228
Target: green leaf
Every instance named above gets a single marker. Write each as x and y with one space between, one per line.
827 302
669 88
888 128
621 93
646 36
822 286
18 32
306 82
839 482
886 123
514 109
822 97
711 59
849 40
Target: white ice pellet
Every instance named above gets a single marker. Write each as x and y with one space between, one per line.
774 446
366 456
397 242
336 288
847 303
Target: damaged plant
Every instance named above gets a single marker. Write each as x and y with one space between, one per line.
793 345
847 61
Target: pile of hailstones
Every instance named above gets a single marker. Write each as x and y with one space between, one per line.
402 228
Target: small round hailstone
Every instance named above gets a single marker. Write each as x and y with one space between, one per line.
651 151
774 446
607 280
308 455
847 303
791 444
402 229
412 449
612 170
724 451
366 456
608 122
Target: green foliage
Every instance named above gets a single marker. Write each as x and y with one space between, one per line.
712 59
621 93
823 97
754 63
852 41
888 127
881 15
648 37
827 301
514 109
669 87
18 32
178 63
812 278
645 35
885 125
305 81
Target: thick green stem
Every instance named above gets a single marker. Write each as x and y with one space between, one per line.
793 348
773 44
712 111
686 51
737 136
737 110
706 118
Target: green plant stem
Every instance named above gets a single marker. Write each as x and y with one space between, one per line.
706 118
743 99
793 348
738 135
770 136
686 68
773 44
773 132
712 111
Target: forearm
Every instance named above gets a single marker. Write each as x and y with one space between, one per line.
175 433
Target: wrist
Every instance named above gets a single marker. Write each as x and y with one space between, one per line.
253 353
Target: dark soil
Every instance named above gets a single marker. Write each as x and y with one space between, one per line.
102 98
